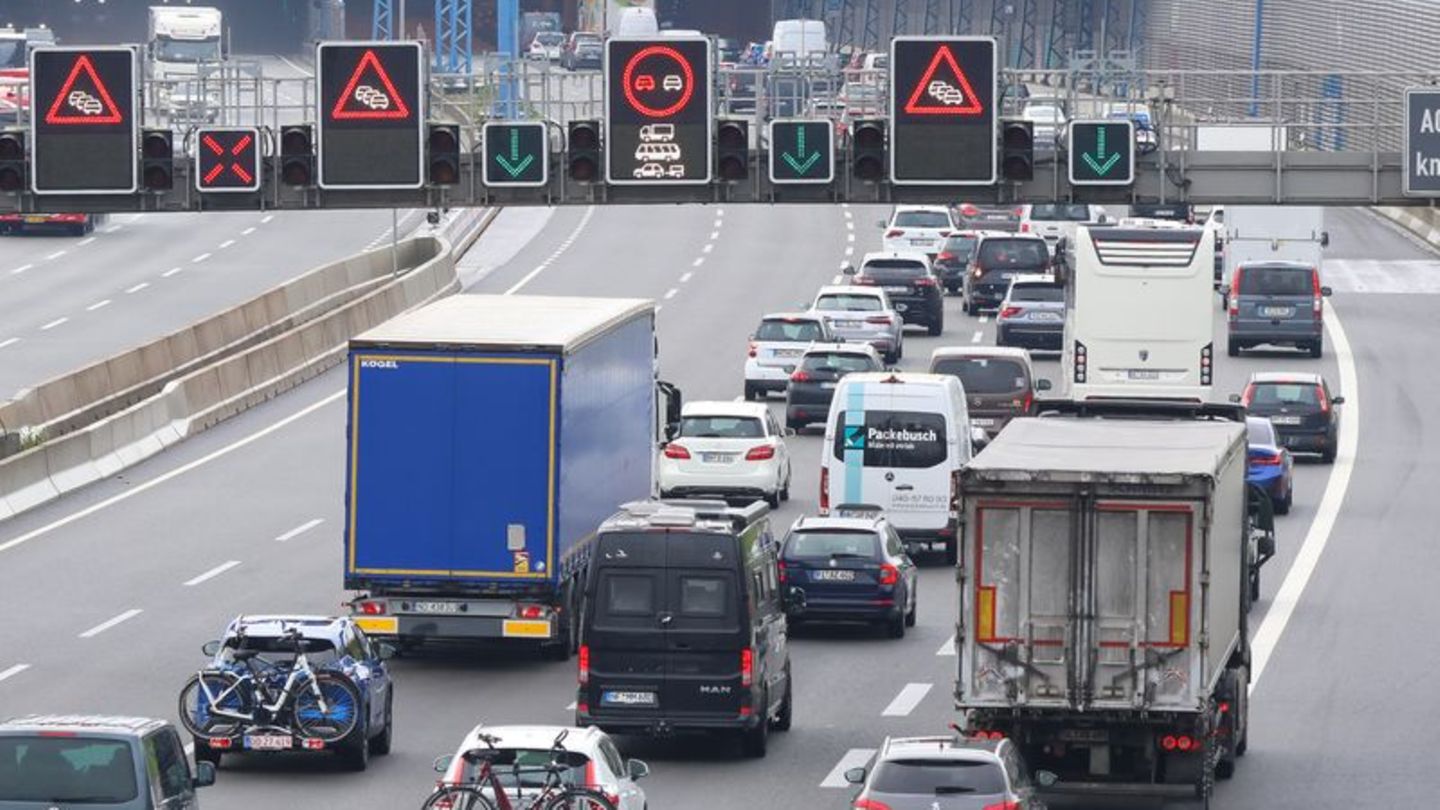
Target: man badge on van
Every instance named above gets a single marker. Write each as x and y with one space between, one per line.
522 562
1144 355
854 437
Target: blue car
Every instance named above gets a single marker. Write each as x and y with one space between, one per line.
1270 464
849 566
291 683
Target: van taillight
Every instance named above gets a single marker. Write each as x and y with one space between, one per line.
1207 361
1319 303
584 664
1235 292
747 667
1079 362
782 573
824 490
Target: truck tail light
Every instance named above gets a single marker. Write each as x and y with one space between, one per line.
530 611
824 490
1178 742
747 667
584 664
764 452
889 574
219 743
1079 362
1024 227
370 608
1207 364
1010 312
676 451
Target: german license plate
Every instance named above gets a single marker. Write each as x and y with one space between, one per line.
1285 420
35 220
921 242
982 422
902 307
827 385
1277 312
848 324
833 576
436 607
268 742
897 289
789 352
717 458
1142 374
628 698
1046 316
1085 735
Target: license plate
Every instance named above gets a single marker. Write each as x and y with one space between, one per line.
35 219
1142 374
847 324
1085 735
897 289
1045 316
437 607
982 422
1285 420
268 742
833 576
1277 312
789 352
922 242
827 385
628 698
717 458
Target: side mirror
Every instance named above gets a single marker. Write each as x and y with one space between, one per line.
210 648
788 432
1043 385
1235 398
1326 291
672 429
979 438
385 650
855 776
848 270
637 769
1324 239
204 774
1046 779
442 764
1337 400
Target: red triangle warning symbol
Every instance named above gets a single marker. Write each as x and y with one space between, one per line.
83 99
374 100
937 95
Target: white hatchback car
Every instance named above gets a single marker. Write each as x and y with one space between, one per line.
919 228
775 348
726 450
594 761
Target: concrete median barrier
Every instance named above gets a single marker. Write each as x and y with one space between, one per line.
1423 222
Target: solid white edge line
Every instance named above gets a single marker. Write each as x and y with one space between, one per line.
948 648
13 671
109 623
569 240
299 530
910 696
1282 608
854 758
212 573
175 473
298 69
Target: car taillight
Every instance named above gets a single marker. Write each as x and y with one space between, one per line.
1027 402
1249 395
1010 312
220 743
1024 227
529 611
1318 305
747 667
969 210
869 804
1324 400
925 282
371 608
800 376
1079 363
889 574
824 490
1005 805
944 256
584 664
1268 460
764 452
983 734
1235 292
1019 211
673 450
894 232
882 320
783 574
753 348
1207 361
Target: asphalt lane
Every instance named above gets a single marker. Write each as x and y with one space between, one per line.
137 553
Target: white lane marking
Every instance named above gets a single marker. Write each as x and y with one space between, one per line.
948 648
849 225
51 325
848 214
975 338
113 228
850 237
844 265
671 293
905 702
1288 597
137 288
83 242
564 246
699 261
175 473
109 623
13 671
854 758
571 706
739 399
686 276
297 68
299 530
202 257
211 574
22 268
172 271
57 254
266 218
844 205
248 231
837 279
8 342
719 223
850 251
98 305
227 243
719 212
984 319
658 307
714 235
708 247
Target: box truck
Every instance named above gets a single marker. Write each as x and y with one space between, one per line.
184 45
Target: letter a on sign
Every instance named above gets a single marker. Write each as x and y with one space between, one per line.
370 94
944 89
83 99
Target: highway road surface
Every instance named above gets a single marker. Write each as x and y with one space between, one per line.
113 589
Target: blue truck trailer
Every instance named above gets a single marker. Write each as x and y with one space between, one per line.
488 438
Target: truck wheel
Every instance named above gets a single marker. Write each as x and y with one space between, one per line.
1232 348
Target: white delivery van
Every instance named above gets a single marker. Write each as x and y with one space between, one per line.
636 22
897 440
799 41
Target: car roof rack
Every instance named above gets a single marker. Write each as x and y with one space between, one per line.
684 512
1139 408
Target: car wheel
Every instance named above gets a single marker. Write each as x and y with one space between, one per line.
936 327
1317 348
356 753
1232 348
969 307
914 608
1254 586
1328 454
796 425
785 489
380 744
1282 506
895 627
204 753
773 499
952 551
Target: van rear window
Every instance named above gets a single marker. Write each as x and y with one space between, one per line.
909 439
66 770
986 375
704 597
629 594
1277 281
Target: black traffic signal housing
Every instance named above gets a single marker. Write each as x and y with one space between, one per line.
582 151
732 149
444 143
12 160
867 150
157 159
1017 150
297 155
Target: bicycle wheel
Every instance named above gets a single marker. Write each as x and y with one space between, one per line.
334 720
458 798
221 690
579 799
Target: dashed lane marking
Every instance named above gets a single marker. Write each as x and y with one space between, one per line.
714 235
709 247
984 319
202 257
109 623
671 293
905 702
227 243
212 573
98 305
559 251
248 231
837 279
686 277
975 338
699 261
57 254
51 325
9 342
83 242
11 672
266 218
172 271
137 288
299 530
22 268
854 758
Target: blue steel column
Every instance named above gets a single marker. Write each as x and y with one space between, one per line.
960 16
1057 43
900 24
1139 18
382 23
1255 58
871 32
1025 48
1114 32
1085 26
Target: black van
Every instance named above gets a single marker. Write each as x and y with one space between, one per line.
682 628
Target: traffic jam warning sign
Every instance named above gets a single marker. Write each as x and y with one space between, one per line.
86 139
658 111
227 160
372 127
942 109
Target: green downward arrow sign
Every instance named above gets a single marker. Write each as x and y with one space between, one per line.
1098 162
799 161
514 166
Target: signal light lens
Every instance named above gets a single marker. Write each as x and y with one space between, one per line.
584 135
12 146
747 667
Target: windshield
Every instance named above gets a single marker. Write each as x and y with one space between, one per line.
838 363
1066 213
895 267
790 331
821 545
841 302
985 375
175 50
939 775
961 247
549 38
921 219
66 770
721 427
1054 293
1009 253
1282 394
1259 431
12 53
1277 281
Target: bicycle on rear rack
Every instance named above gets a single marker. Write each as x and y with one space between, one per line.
486 790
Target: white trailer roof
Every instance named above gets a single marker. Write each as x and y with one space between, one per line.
1109 447
557 323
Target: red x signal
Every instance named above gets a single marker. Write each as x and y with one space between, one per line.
227 160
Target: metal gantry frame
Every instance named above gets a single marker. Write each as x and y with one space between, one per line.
871 32
382 22
961 16
900 23
932 18
1085 25
454 33
1113 26
1025 45
1057 41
